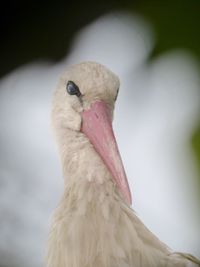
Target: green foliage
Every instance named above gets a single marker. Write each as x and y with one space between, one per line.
176 24
196 147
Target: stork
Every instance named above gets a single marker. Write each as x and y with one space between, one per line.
94 225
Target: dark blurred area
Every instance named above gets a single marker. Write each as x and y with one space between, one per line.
36 30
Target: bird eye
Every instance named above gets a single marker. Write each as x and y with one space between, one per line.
72 89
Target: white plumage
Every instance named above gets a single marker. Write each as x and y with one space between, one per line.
94 225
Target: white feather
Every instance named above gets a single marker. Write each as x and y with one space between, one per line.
93 226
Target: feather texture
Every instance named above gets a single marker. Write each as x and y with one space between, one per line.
92 225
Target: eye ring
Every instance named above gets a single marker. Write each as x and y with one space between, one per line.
73 89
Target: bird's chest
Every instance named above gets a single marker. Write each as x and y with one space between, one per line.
92 227
86 228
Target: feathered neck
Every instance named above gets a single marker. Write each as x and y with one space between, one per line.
92 226
80 162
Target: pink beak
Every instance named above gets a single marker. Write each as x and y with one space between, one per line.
97 126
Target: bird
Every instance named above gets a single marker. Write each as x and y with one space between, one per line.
94 224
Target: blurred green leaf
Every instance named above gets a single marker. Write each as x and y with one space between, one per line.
196 146
176 24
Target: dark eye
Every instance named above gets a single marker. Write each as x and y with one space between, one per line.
72 89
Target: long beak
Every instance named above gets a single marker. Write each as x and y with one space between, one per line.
97 126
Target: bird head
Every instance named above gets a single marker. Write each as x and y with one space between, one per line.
84 102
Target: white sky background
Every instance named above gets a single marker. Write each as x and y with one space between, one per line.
157 107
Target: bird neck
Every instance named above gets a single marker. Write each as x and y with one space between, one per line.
79 159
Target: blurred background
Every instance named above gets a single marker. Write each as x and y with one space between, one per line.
154 47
